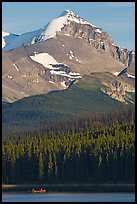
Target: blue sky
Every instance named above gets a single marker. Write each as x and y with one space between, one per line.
116 18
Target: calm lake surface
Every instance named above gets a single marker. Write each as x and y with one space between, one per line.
68 197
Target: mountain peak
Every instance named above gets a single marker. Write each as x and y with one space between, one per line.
72 17
48 31
57 24
67 12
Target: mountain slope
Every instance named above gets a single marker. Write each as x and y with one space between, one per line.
22 40
26 76
7 38
82 98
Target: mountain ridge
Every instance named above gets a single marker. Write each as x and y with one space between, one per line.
47 31
7 38
73 48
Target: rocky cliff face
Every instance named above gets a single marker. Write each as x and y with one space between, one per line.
100 40
117 90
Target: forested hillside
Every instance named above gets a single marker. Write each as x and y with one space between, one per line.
78 101
97 155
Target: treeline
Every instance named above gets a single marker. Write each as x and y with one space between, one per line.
33 123
89 155
122 115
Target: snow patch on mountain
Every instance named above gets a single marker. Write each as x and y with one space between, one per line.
124 72
71 56
130 76
45 59
67 34
98 31
16 67
55 67
52 82
63 73
116 73
10 77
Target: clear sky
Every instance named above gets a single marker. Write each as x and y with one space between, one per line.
116 18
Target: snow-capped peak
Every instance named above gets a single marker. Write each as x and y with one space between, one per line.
42 34
57 24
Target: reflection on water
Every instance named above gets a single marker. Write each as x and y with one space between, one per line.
68 197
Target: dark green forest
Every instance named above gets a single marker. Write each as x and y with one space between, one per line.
78 153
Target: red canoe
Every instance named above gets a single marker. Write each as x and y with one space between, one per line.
39 191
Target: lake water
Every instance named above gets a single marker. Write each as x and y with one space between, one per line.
68 197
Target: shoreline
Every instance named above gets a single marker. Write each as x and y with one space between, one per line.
70 187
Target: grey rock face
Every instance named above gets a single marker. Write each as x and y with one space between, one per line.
100 40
